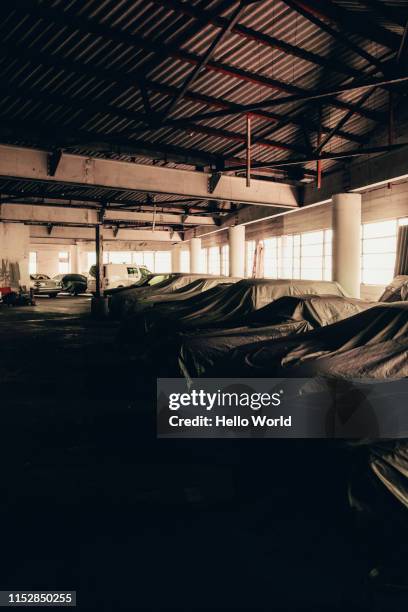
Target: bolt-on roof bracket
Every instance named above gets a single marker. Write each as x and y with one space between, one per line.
53 160
213 181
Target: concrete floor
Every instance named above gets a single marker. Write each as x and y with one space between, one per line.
92 501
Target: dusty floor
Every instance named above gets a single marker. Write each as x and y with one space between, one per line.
91 501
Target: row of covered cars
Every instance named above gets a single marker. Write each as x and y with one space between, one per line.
199 326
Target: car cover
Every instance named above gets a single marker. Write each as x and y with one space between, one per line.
381 323
144 281
198 286
318 310
232 306
125 303
199 351
397 290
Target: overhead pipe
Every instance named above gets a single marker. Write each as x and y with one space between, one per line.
248 150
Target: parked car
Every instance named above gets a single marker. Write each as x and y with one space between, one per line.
74 284
41 284
117 275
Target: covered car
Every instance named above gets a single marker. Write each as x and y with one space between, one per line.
229 307
41 284
74 284
197 352
379 324
128 302
397 290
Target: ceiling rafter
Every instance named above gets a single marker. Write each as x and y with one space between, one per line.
353 21
301 8
195 73
91 26
103 107
206 17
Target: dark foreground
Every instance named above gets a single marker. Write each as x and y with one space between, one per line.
91 501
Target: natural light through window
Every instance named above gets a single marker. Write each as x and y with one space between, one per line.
225 259
32 263
184 261
378 250
63 262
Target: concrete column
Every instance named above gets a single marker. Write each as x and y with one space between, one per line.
176 258
347 242
99 261
14 249
75 259
236 236
195 256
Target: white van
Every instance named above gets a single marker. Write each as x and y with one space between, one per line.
117 275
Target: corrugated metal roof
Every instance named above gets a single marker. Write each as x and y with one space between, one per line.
76 71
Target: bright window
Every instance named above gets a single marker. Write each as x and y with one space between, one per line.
378 250
316 255
307 256
185 261
225 259
118 257
250 258
63 262
204 260
214 260
162 261
32 262
270 254
144 258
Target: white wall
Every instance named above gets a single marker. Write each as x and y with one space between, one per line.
15 247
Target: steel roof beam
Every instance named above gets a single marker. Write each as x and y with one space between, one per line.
48 135
195 73
133 78
89 25
328 156
352 21
311 96
206 17
338 35
389 12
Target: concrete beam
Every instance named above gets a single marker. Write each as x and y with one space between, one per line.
244 216
16 162
88 233
86 216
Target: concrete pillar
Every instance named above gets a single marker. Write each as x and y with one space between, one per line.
14 249
236 236
75 259
176 258
99 261
347 242
195 256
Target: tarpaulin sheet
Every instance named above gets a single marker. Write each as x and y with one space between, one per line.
199 351
126 302
196 287
145 281
387 359
382 323
389 462
397 290
318 310
231 306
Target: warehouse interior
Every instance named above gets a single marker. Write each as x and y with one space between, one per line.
229 180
